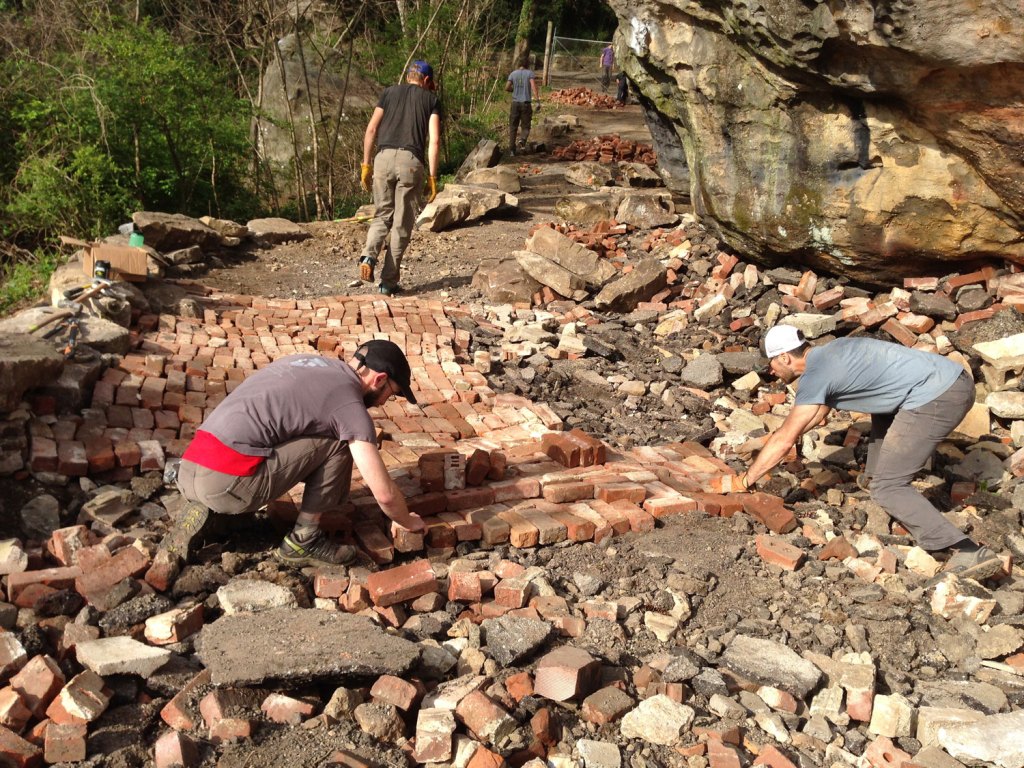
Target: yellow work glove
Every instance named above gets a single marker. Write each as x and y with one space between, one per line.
430 190
365 173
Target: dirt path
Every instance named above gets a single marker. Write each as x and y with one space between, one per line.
437 265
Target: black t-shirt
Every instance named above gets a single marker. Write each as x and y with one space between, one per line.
407 110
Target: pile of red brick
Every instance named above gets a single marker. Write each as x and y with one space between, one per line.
584 97
607 149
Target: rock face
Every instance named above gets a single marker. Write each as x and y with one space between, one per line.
870 138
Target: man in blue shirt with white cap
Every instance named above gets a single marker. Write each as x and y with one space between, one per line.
915 400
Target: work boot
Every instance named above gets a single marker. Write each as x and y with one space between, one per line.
366 267
315 550
971 561
188 532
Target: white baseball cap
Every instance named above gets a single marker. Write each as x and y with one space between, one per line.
782 338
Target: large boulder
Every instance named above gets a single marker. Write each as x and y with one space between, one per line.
485 154
570 255
623 294
276 230
504 281
503 177
870 138
171 231
26 362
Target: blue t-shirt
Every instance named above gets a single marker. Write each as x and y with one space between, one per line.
872 376
520 80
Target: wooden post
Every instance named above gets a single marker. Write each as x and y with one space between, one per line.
547 53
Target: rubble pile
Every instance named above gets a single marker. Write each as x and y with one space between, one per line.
584 97
607 149
590 590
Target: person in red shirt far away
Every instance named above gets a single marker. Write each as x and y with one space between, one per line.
303 418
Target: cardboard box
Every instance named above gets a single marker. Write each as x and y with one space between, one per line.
126 262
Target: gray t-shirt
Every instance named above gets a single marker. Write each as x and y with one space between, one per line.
872 376
520 80
296 396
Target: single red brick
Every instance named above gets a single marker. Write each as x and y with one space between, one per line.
562 493
722 756
606 705
16 751
181 712
284 709
769 510
13 712
176 750
65 743
778 552
396 585
560 448
837 549
469 498
519 686
82 700
37 683
773 758
466 587
477 467
395 691
516 489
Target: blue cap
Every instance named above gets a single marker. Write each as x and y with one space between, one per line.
422 68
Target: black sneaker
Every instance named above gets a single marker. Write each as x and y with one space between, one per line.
318 550
366 267
188 531
977 564
390 290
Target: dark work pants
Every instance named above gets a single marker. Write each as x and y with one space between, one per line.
324 464
901 444
519 114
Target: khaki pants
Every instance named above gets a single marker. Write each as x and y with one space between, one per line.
900 445
397 190
323 463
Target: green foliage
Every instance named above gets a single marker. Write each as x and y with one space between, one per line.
130 120
25 280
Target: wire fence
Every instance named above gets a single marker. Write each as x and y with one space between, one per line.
576 63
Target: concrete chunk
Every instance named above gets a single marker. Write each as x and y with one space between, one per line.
769 663
300 644
121 656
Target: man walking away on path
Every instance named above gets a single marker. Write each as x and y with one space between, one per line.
405 126
303 418
522 84
915 400
607 62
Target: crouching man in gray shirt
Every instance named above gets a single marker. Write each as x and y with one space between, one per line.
915 400
303 418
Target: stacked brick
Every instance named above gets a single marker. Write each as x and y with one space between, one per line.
607 149
583 97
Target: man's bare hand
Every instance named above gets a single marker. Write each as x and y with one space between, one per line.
411 522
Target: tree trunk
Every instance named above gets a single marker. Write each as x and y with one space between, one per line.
523 32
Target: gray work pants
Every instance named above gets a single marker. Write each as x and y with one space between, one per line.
519 114
323 463
397 190
901 444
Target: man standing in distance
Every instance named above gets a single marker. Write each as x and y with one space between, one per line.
607 62
406 129
915 400
303 418
522 84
